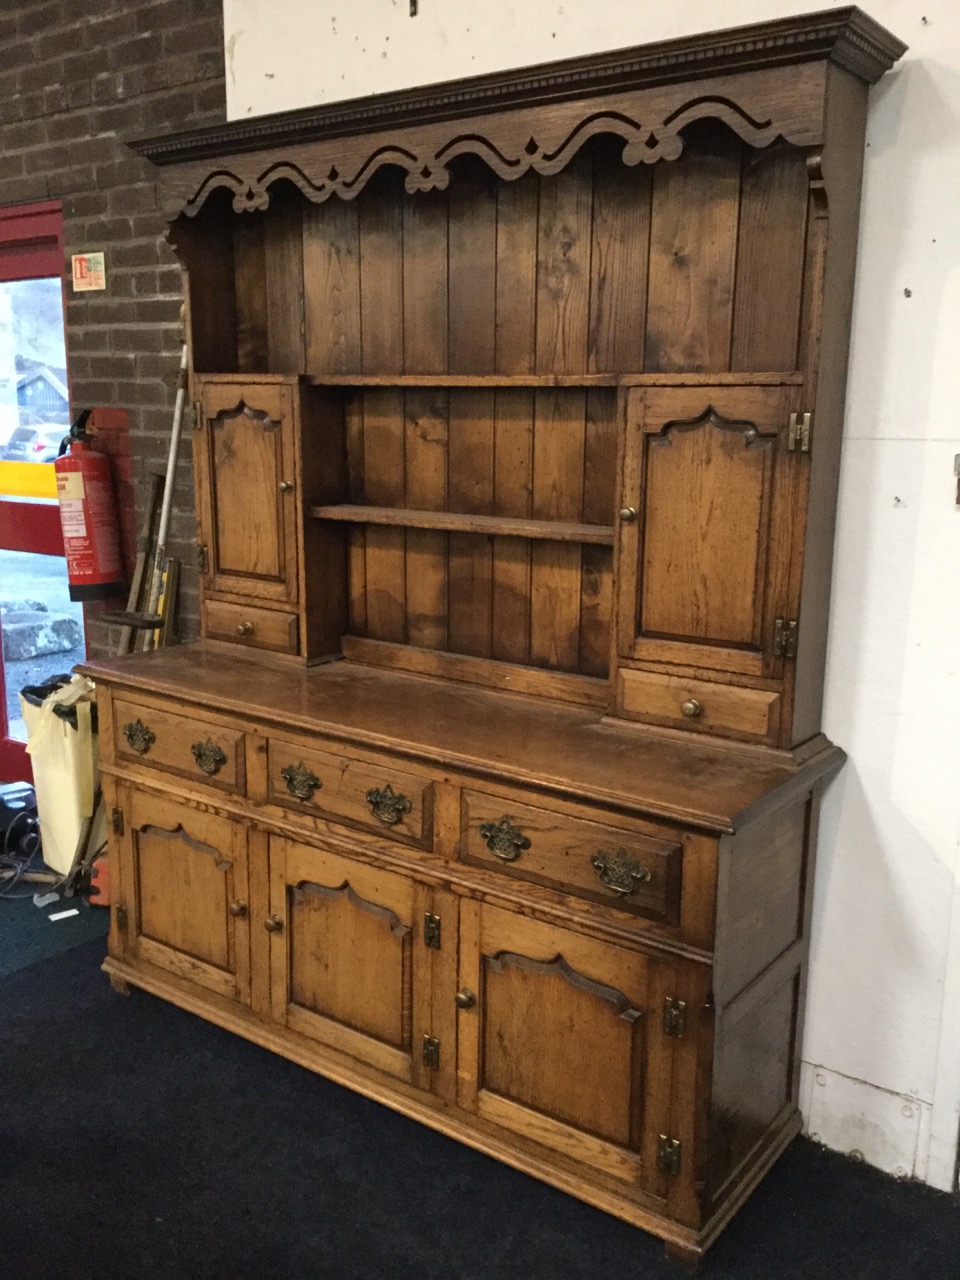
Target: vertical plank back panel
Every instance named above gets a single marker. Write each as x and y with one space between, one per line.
331 286
513 491
693 241
356 534
599 495
425 454
518 205
380 215
425 283
471 490
618 264
283 248
472 272
563 268
250 270
770 253
383 472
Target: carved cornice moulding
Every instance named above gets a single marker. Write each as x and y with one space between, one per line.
773 86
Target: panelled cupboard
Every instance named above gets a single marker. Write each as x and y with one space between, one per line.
491 787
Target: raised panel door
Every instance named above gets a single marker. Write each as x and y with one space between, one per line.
348 964
185 883
712 525
247 490
559 1041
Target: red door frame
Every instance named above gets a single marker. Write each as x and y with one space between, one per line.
31 245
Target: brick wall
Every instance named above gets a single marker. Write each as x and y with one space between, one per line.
77 79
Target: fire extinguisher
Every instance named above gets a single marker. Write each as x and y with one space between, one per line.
88 517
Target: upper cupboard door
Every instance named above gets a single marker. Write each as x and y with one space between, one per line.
711 526
247 490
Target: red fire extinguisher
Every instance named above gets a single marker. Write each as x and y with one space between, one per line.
88 517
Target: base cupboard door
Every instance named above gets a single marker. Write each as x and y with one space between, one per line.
347 970
558 1041
185 888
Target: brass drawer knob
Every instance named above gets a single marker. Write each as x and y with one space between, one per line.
504 840
244 628
628 514
141 738
238 910
210 756
465 999
285 486
619 872
301 783
691 708
273 924
388 805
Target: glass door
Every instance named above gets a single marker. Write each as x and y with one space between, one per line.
41 630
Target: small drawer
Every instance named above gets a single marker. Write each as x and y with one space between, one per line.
700 705
256 628
193 748
359 793
611 865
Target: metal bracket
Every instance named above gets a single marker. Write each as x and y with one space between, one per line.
799 431
197 415
120 912
431 931
785 637
669 1152
674 1017
116 821
431 1053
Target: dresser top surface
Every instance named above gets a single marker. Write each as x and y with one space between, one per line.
509 738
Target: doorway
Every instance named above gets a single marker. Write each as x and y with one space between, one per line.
41 630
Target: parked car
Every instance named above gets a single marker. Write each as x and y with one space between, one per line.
31 444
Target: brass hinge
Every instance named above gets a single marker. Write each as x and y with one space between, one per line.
201 558
431 1053
668 1155
785 637
431 931
799 431
121 914
116 821
197 415
674 1017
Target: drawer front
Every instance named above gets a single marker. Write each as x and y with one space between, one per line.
700 705
360 793
193 748
606 864
256 628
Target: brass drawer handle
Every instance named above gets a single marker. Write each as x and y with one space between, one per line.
628 514
209 756
244 628
238 910
301 783
387 805
141 738
465 999
273 924
504 840
285 486
620 873
691 708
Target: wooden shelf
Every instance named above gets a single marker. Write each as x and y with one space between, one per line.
491 381
502 526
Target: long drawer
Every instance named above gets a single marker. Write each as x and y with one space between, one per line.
609 864
360 792
192 747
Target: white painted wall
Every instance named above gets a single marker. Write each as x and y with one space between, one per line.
882 1045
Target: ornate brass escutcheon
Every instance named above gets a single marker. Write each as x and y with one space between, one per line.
209 756
387 805
620 873
141 738
503 839
300 781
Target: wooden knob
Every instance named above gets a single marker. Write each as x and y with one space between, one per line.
465 999
273 924
238 910
691 708
285 486
628 514
244 628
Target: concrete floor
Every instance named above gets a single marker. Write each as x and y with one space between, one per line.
31 577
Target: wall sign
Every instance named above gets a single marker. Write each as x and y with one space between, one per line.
89 272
